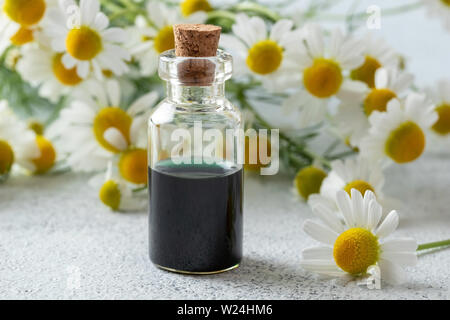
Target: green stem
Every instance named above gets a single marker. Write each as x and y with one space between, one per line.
136 190
218 14
111 6
431 245
258 9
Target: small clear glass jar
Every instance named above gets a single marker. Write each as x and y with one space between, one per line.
195 172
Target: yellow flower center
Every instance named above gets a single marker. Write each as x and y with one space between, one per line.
133 166
164 40
257 161
67 77
25 12
360 185
323 79
111 117
442 126
83 43
37 127
406 143
23 36
377 100
188 7
6 157
447 2
366 72
265 57
309 180
107 73
110 194
48 155
355 250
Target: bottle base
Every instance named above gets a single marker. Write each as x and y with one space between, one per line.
197 273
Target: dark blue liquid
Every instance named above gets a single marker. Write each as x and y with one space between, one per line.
195 219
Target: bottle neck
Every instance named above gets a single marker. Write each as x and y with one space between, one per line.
195 94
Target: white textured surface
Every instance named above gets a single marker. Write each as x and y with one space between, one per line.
50 226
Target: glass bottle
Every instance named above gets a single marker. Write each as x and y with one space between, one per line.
195 219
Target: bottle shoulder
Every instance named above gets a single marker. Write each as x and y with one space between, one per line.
221 110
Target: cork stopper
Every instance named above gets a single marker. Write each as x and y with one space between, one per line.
196 40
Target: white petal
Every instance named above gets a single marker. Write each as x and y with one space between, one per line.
329 217
403 259
101 21
375 213
319 232
83 69
358 208
115 138
280 29
68 61
343 201
314 38
400 245
381 78
318 264
113 90
318 253
88 11
115 35
142 104
388 225
391 272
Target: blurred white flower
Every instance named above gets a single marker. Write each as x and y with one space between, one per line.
439 9
152 35
352 118
115 193
17 142
324 72
265 54
352 173
378 54
94 129
352 247
399 134
82 35
43 68
21 21
440 96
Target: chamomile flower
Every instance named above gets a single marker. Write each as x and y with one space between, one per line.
84 39
308 181
190 7
440 9
353 115
21 20
43 68
378 54
362 241
95 129
399 134
46 159
115 193
17 142
148 41
352 173
324 71
440 96
263 54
